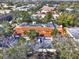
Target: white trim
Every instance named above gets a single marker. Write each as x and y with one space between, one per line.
46 50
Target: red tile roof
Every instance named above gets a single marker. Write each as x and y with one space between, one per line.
47 8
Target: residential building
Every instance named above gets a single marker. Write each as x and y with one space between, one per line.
5 17
46 31
5 11
46 9
38 15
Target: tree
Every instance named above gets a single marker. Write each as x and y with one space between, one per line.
31 33
65 19
47 18
61 7
1 32
54 32
21 40
7 28
22 16
17 52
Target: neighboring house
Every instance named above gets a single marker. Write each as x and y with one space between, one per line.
22 8
55 16
46 9
6 17
5 11
6 6
25 7
31 5
42 13
38 15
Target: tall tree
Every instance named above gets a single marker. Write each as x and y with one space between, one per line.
65 19
47 18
